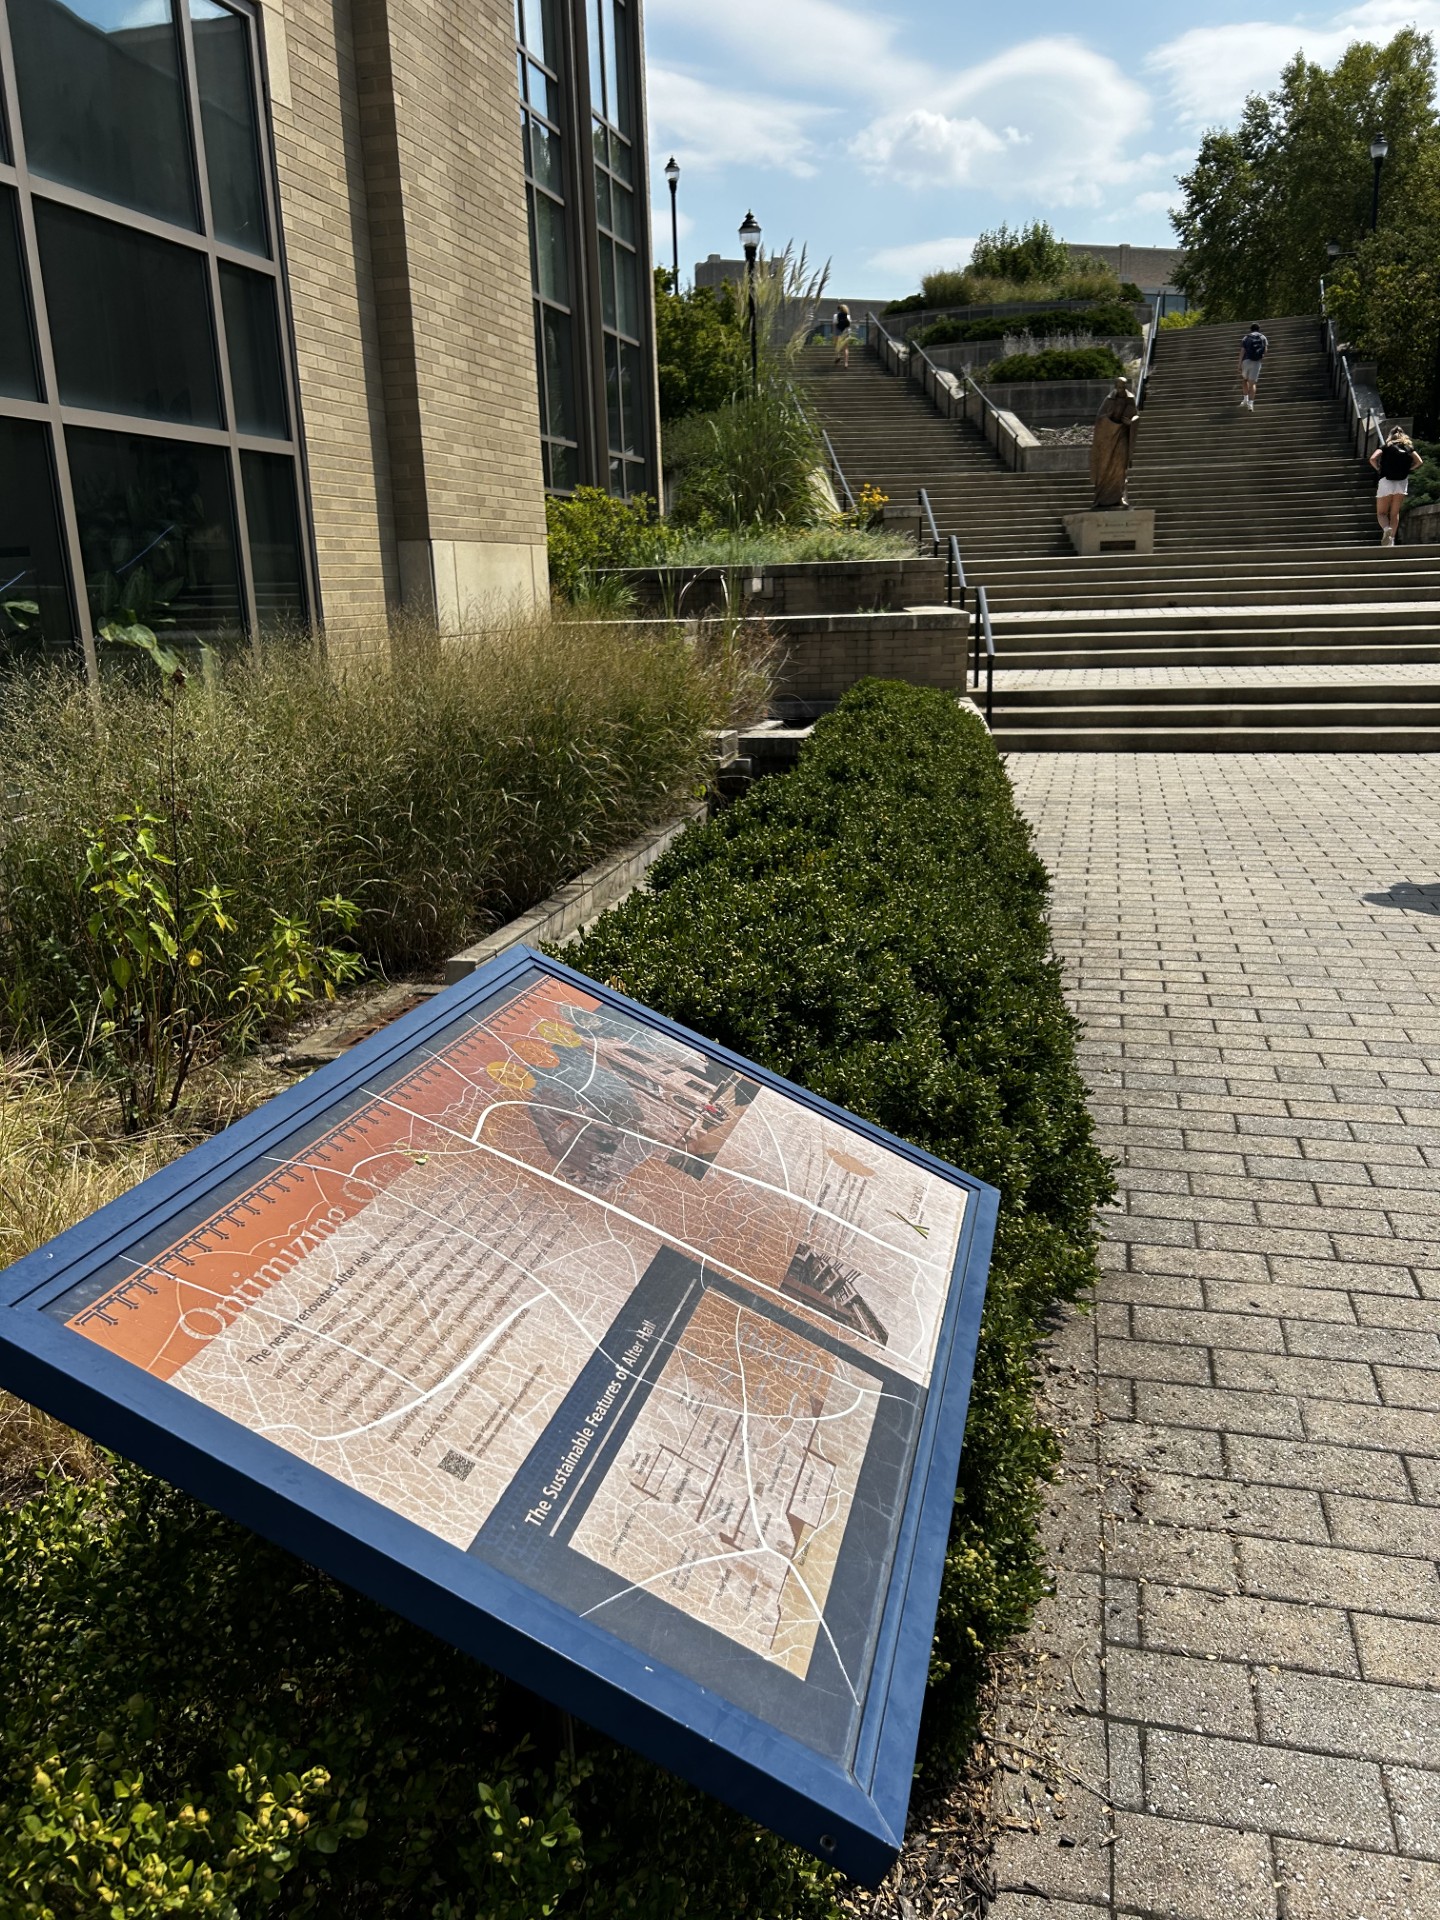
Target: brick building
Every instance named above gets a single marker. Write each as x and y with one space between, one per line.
305 304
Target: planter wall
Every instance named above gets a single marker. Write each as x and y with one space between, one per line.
797 587
1050 403
966 354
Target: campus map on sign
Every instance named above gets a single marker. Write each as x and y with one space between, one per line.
596 1307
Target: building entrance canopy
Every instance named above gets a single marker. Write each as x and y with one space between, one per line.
631 1369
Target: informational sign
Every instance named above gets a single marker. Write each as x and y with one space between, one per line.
615 1360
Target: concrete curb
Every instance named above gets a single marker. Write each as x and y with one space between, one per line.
587 895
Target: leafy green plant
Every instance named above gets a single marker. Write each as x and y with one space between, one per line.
592 530
1056 363
1177 322
160 969
193 1722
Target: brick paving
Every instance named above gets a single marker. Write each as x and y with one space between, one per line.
1239 1671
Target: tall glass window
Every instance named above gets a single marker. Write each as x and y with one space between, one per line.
584 171
19 376
538 38
102 103
34 584
612 97
161 479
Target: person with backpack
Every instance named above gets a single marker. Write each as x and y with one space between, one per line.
1394 462
1252 358
842 334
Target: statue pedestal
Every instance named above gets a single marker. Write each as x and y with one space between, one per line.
1112 530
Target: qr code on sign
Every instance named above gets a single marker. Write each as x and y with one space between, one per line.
457 1464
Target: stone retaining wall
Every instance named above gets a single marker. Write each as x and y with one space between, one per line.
824 655
796 587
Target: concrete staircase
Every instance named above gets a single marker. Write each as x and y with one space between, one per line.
1267 559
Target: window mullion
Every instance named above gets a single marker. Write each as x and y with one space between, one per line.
59 462
249 607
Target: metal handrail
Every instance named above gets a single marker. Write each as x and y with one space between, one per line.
983 630
888 350
839 473
1146 359
1362 422
954 573
928 513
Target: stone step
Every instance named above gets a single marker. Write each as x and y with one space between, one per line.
1057 702
1297 730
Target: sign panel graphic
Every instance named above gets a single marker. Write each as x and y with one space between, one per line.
647 1352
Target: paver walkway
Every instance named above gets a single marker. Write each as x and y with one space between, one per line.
1239 1668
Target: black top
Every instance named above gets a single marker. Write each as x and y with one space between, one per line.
842 318
1395 463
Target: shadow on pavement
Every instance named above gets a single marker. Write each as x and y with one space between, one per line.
1413 895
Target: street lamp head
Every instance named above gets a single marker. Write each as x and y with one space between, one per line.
1332 247
1379 147
672 170
750 236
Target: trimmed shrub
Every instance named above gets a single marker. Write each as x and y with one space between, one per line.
1176 322
1113 318
1056 363
873 926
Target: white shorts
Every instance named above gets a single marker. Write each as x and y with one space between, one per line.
1387 487
1250 370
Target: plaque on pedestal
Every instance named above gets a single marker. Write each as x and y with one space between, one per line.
1112 530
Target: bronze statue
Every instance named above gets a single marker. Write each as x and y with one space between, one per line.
1112 446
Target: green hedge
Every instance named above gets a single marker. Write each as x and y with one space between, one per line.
873 926
193 1722
1113 318
1056 363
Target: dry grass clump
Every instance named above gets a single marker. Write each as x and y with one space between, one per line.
63 1156
442 788
60 1159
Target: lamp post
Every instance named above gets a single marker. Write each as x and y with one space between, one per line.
1379 147
672 174
750 241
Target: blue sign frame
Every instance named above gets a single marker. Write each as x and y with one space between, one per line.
851 1814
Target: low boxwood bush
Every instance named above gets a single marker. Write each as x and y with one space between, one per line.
1057 363
873 926
193 1722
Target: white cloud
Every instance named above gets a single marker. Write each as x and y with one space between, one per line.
920 148
709 127
804 44
919 257
1049 118
1208 71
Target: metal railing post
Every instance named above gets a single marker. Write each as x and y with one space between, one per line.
927 517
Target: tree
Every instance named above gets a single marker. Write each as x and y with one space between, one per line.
701 345
1021 254
1261 202
1385 298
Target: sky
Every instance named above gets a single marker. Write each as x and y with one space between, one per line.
884 137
